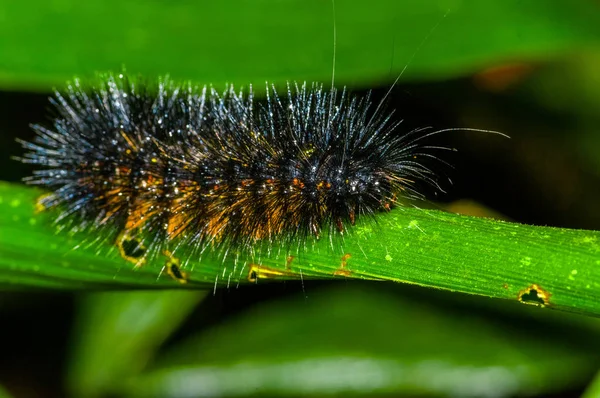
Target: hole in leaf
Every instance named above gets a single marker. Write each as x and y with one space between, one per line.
534 295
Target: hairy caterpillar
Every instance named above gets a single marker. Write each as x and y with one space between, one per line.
156 166
167 165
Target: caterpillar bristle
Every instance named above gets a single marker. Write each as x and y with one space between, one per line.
173 166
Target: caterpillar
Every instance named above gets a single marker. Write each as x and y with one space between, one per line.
156 167
160 166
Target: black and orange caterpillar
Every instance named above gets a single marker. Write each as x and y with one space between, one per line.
161 166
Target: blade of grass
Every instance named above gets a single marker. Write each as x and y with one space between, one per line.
553 267
118 333
4 393
593 390
45 43
360 339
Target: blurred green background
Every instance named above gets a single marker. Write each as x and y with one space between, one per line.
529 68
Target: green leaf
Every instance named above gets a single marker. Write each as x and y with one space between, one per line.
544 266
45 43
359 339
118 333
4 393
593 389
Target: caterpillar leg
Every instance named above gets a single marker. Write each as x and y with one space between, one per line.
343 269
257 271
131 248
173 268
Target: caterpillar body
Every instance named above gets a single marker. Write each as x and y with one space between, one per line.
161 166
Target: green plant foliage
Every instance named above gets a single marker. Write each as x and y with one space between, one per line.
359 339
4 393
352 338
118 334
252 42
535 265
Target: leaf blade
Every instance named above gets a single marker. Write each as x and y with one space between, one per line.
423 247
277 42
